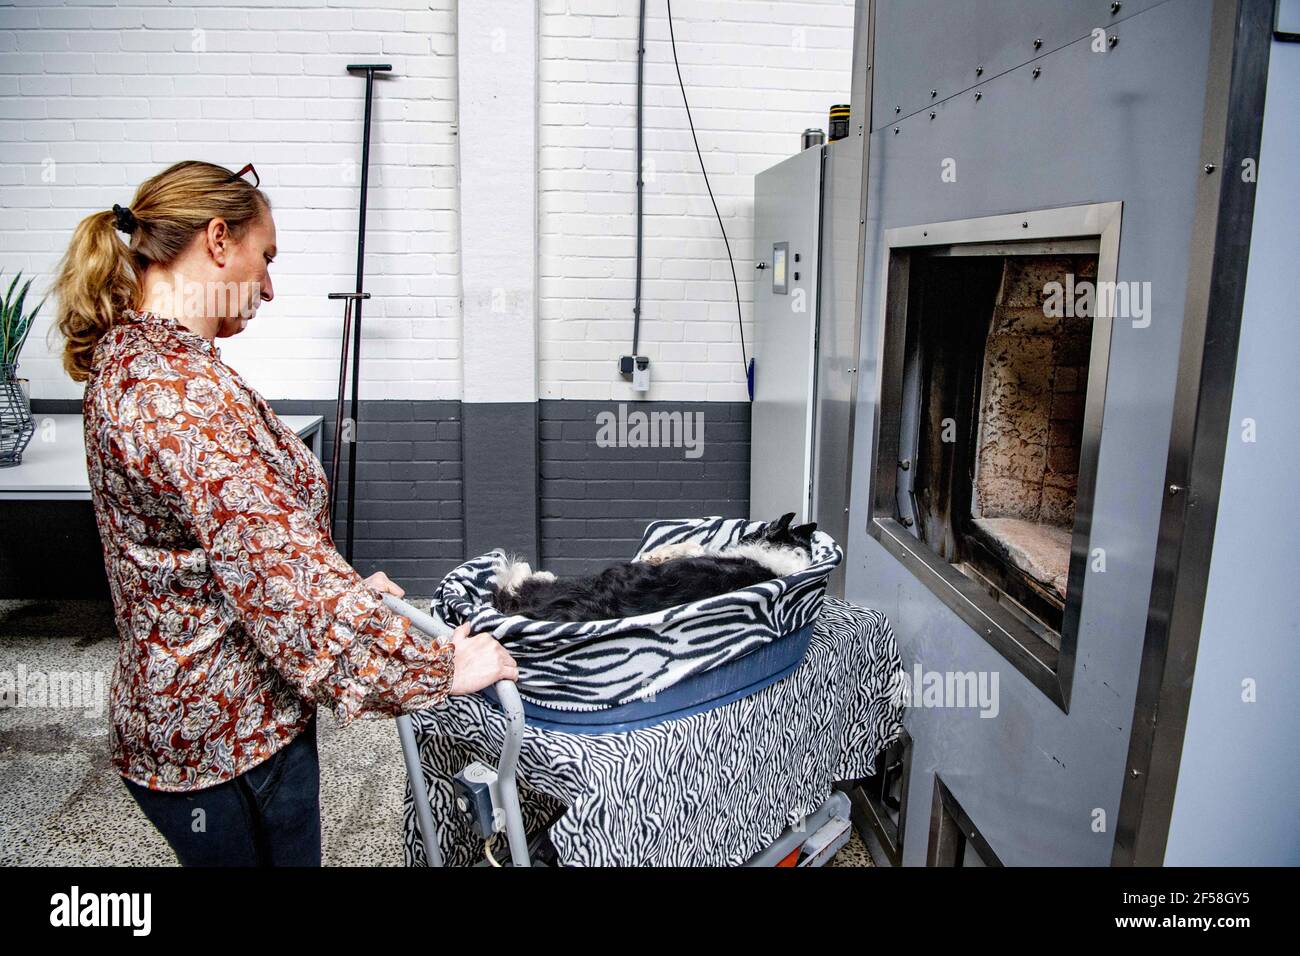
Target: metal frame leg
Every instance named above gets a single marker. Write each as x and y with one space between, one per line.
835 811
419 792
507 791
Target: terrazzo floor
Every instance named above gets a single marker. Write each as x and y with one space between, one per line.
61 802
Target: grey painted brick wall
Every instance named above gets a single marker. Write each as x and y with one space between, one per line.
408 505
596 502
409 491
499 452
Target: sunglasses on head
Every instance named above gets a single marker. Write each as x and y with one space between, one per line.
257 180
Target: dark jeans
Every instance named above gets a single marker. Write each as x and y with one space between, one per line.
267 816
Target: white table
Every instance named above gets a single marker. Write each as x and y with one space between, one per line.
54 465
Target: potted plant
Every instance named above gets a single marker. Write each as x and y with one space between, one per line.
16 425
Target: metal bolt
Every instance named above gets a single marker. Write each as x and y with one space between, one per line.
895 130
979 71
1209 168
1114 7
1025 224
905 464
898 109
907 522
1037 72
1175 489
1112 39
979 95
933 94
931 114
850 371
1038 43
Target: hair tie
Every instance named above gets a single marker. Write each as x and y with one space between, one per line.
124 219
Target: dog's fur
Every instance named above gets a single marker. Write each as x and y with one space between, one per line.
665 577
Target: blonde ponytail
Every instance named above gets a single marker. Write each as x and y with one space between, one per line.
101 274
96 282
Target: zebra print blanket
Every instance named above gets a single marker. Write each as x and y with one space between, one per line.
711 789
599 664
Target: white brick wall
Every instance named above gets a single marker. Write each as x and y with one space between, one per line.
94 97
757 75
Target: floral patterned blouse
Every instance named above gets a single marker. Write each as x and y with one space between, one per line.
236 615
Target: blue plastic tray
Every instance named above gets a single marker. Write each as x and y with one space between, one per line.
735 679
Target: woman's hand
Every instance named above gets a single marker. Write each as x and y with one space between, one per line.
379 582
479 662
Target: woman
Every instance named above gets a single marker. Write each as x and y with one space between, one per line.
236 614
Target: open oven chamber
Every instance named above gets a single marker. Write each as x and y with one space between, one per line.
996 340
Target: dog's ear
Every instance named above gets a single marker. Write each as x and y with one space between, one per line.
802 535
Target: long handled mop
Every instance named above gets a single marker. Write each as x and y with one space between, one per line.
352 324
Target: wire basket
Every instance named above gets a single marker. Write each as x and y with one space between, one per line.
16 424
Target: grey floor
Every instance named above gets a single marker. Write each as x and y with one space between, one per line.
61 802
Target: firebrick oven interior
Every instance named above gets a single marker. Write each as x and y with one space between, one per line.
1000 347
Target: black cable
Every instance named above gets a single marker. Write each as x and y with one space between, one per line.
734 281
640 183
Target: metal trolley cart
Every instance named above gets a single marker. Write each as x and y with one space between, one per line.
490 795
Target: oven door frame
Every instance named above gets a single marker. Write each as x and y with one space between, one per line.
1039 231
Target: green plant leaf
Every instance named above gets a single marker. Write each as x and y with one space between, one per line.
22 296
15 318
5 310
15 322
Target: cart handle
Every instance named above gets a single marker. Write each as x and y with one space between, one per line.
508 792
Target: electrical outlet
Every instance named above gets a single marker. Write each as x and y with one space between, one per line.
641 375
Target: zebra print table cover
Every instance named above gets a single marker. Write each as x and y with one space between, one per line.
601 664
711 789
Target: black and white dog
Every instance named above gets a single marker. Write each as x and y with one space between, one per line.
665 577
